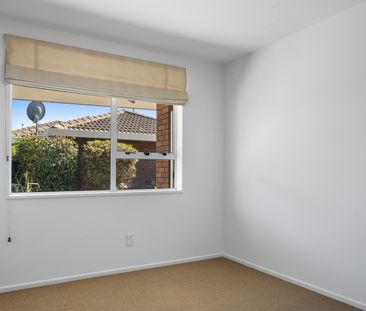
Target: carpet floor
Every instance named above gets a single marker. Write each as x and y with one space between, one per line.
216 284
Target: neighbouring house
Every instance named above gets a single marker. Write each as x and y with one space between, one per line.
144 133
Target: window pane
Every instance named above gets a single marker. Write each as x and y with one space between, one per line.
66 150
142 130
144 174
145 130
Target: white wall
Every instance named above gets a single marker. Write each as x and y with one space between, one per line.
295 150
68 236
296 156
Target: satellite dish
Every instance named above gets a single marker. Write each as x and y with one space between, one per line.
36 111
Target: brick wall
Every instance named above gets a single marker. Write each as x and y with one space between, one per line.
148 146
163 144
145 169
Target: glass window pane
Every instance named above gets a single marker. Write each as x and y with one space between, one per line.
144 174
145 130
68 149
142 130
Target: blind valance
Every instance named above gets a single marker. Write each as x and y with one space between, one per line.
30 93
60 67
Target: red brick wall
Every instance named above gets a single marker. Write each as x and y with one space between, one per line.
148 146
145 169
163 144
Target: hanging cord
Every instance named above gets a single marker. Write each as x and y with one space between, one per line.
9 222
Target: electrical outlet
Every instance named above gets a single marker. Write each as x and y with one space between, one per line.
130 239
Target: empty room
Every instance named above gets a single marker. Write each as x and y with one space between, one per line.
174 155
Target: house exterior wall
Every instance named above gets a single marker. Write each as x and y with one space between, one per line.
145 169
163 144
149 146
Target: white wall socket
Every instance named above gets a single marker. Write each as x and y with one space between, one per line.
130 239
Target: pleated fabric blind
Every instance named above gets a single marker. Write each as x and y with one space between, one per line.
53 66
30 93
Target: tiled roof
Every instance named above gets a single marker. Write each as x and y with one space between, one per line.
128 123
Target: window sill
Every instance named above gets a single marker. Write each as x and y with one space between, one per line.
102 193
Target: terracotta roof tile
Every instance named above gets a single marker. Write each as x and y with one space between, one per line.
128 122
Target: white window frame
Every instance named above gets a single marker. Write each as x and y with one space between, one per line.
176 155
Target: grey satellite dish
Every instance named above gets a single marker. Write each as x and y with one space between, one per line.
36 111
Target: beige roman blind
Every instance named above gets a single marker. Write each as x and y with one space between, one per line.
53 66
44 95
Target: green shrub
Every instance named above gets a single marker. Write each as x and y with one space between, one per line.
95 166
44 164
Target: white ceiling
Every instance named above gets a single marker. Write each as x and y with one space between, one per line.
217 30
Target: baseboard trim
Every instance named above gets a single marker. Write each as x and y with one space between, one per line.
314 288
88 275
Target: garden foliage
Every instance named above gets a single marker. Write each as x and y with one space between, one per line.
59 164
44 164
95 166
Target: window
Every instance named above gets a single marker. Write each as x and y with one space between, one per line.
97 121
68 142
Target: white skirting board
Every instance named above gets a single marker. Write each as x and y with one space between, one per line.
88 275
292 280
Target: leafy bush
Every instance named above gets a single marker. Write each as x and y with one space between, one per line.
95 166
44 164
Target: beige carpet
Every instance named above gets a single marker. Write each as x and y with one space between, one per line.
217 284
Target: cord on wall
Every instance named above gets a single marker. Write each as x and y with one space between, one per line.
9 222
